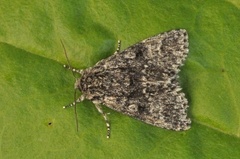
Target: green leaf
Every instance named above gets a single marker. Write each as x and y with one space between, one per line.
34 86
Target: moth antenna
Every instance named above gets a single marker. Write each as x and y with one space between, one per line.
75 92
65 52
75 108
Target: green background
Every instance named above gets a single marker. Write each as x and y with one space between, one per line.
34 86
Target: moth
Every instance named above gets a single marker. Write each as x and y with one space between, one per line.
140 81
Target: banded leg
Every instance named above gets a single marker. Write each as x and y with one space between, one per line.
105 118
118 47
73 69
80 99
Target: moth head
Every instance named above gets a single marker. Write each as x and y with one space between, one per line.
77 84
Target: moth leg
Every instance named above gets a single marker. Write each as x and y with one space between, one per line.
99 108
79 100
73 69
118 48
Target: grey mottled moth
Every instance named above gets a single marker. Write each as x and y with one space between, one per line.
140 81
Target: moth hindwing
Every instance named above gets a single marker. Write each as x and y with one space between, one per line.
141 81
